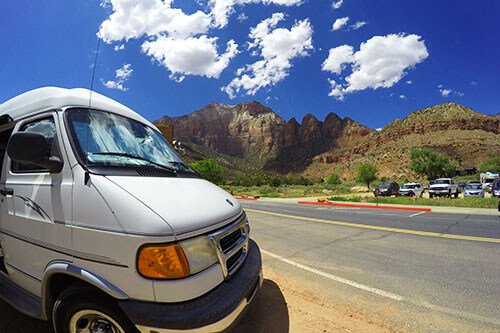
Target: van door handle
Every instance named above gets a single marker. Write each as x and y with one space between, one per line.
5 191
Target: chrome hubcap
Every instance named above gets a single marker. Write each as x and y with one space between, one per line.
92 321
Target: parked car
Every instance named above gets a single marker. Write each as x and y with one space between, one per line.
104 228
411 190
495 188
474 190
386 189
443 187
462 185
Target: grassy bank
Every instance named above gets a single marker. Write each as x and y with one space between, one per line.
291 191
446 202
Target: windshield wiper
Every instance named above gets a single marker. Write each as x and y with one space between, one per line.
138 157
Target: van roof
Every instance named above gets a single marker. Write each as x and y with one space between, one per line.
47 98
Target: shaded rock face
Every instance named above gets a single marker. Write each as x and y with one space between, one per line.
251 127
230 129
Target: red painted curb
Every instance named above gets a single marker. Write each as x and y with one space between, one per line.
411 209
240 198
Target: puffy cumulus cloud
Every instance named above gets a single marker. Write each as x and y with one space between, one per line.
277 47
358 25
135 18
191 56
381 62
337 4
222 9
177 40
339 23
402 96
121 75
409 82
338 58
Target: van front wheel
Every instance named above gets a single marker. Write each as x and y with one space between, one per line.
84 310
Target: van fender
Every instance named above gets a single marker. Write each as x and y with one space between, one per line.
66 268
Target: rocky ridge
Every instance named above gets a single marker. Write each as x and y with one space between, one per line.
250 135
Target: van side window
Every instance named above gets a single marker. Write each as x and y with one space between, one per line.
47 128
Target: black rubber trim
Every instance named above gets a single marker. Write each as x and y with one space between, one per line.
204 310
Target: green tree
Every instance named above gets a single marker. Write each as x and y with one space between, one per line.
208 169
490 165
367 173
425 162
333 179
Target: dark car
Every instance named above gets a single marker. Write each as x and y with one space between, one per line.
462 185
386 189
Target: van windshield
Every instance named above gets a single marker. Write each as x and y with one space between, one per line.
104 138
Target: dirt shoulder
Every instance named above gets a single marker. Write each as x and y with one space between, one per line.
285 304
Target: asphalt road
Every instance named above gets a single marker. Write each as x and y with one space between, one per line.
373 257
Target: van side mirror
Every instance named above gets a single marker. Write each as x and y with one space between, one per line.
25 147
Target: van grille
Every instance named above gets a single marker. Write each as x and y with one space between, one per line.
233 260
229 241
232 245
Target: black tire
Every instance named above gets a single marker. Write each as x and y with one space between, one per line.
430 195
412 194
79 300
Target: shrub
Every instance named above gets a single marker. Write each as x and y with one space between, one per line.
333 179
208 169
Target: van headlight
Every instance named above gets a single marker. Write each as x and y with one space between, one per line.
178 260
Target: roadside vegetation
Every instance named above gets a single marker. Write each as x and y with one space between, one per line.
445 202
425 165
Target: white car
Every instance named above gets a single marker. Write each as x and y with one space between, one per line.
103 228
474 190
411 190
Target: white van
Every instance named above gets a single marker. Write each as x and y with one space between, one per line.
103 228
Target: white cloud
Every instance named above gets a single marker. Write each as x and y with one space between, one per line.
473 83
409 82
190 56
381 62
135 18
119 47
358 25
121 75
337 58
445 92
222 9
402 96
277 47
337 4
175 39
339 23
242 17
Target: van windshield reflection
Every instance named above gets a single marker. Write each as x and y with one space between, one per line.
104 138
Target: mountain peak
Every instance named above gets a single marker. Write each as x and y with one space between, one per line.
439 112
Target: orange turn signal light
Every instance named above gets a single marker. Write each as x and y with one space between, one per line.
163 262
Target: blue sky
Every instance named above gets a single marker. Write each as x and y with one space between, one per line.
178 56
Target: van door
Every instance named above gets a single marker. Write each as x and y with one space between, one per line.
39 230
6 203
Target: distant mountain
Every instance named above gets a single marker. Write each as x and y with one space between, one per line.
252 136
253 129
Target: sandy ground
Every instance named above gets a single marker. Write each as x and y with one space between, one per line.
286 305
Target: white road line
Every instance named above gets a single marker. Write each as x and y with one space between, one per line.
416 214
335 278
384 293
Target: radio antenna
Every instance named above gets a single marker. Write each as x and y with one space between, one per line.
93 70
87 176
